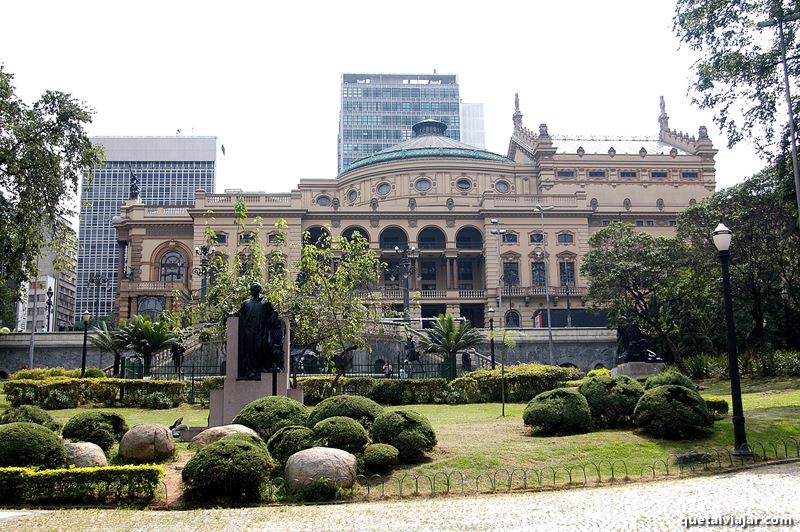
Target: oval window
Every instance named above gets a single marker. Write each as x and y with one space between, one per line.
352 196
502 186
464 184
324 201
384 188
423 184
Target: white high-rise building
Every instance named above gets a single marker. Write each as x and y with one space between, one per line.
472 129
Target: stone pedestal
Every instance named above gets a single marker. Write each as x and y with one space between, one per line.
226 403
638 369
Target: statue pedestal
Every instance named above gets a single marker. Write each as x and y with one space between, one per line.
235 394
638 369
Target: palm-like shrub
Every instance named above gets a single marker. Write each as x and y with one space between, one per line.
146 337
109 341
447 339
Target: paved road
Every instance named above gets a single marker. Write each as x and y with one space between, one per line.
763 492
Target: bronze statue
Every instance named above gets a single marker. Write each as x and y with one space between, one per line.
261 335
632 345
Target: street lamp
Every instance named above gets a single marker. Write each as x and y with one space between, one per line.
98 280
499 232
779 20
722 241
203 252
491 334
49 305
566 285
85 317
541 211
405 268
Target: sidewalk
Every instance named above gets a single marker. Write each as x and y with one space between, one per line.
762 492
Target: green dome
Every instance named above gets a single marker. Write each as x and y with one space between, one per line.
428 140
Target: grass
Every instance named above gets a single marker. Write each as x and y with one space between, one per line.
475 439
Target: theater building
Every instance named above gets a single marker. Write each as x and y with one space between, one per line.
470 215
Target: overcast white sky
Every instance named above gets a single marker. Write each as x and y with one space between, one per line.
265 77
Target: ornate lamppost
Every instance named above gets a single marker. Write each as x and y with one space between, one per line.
546 259
85 317
204 252
491 334
49 305
722 241
405 268
97 280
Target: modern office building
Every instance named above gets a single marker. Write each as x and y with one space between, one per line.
165 173
378 110
473 132
470 215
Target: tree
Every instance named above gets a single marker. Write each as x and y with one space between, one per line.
634 275
739 71
447 340
109 341
43 150
146 337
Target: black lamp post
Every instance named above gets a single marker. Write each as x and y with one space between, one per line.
491 334
49 305
85 317
722 241
203 252
405 268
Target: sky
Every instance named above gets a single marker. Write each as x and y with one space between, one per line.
265 77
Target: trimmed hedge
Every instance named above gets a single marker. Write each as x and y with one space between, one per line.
383 391
30 445
409 432
30 414
289 440
268 414
44 373
464 390
342 433
101 485
669 377
232 469
612 400
672 412
101 428
599 372
717 407
561 411
89 391
359 408
523 382
380 457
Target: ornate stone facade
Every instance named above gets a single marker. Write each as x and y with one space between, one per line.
445 199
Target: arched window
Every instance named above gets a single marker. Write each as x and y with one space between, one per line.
393 236
432 238
318 236
350 231
469 238
150 306
172 266
512 319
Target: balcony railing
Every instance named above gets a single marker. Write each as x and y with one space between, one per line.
471 294
154 286
541 290
164 211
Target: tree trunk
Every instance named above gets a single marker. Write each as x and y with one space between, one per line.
117 359
673 350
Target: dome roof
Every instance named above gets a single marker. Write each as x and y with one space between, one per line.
428 140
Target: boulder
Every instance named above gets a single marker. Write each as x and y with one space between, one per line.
147 443
212 434
85 454
305 467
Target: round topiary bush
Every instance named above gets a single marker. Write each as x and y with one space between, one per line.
289 440
268 414
380 457
611 399
156 401
58 400
669 376
94 373
232 469
560 411
100 428
672 412
30 445
464 390
342 433
411 433
30 414
355 407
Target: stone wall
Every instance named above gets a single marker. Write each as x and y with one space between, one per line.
55 349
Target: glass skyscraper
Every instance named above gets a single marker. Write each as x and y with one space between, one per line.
378 110
169 169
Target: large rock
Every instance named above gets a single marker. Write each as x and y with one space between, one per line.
212 434
305 467
147 443
85 454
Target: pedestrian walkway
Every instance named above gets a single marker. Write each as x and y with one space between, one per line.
759 493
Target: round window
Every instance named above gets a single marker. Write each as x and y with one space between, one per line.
352 196
324 201
464 184
384 188
423 184
502 186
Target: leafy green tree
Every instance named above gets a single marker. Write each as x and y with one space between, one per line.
739 72
109 341
146 337
634 275
43 151
447 339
